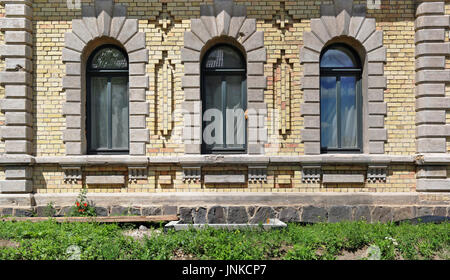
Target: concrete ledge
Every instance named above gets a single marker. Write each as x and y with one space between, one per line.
93 160
235 198
16 200
218 159
272 224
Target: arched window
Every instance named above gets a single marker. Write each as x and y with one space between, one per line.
340 100
107 101
224 95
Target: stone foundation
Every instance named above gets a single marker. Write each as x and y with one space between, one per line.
236 208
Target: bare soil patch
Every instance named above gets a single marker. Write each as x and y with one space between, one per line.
9 243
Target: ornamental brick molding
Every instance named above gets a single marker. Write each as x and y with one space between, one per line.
345 22
432 103
192 174
72 174
108 22
17 52
377 173
136 173
257 174
282 87
224 22
164 83
311 174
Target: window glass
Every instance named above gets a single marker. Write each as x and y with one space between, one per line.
109 58
99 112
108 114
119 112
213 114
337 57
340 100
224 101
224 57
235 113
348 112
328 116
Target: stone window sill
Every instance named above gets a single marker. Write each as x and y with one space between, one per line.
222 159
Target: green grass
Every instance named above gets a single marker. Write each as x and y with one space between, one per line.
50 240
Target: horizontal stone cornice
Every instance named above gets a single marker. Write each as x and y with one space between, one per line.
201 160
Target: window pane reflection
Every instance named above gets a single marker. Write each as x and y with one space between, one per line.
99 113
337 58
328 116
119 112
348 112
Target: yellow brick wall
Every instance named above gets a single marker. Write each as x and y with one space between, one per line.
52 19
49 179
398 30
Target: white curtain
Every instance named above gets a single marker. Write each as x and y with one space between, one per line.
235 113
349 118
119 110
213 133
328 125
99 112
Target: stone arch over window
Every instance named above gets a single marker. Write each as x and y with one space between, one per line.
224 22
345 23
104 23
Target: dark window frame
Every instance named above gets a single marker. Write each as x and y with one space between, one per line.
338 73
205 72
90 73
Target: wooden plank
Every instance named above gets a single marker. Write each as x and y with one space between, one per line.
112 219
